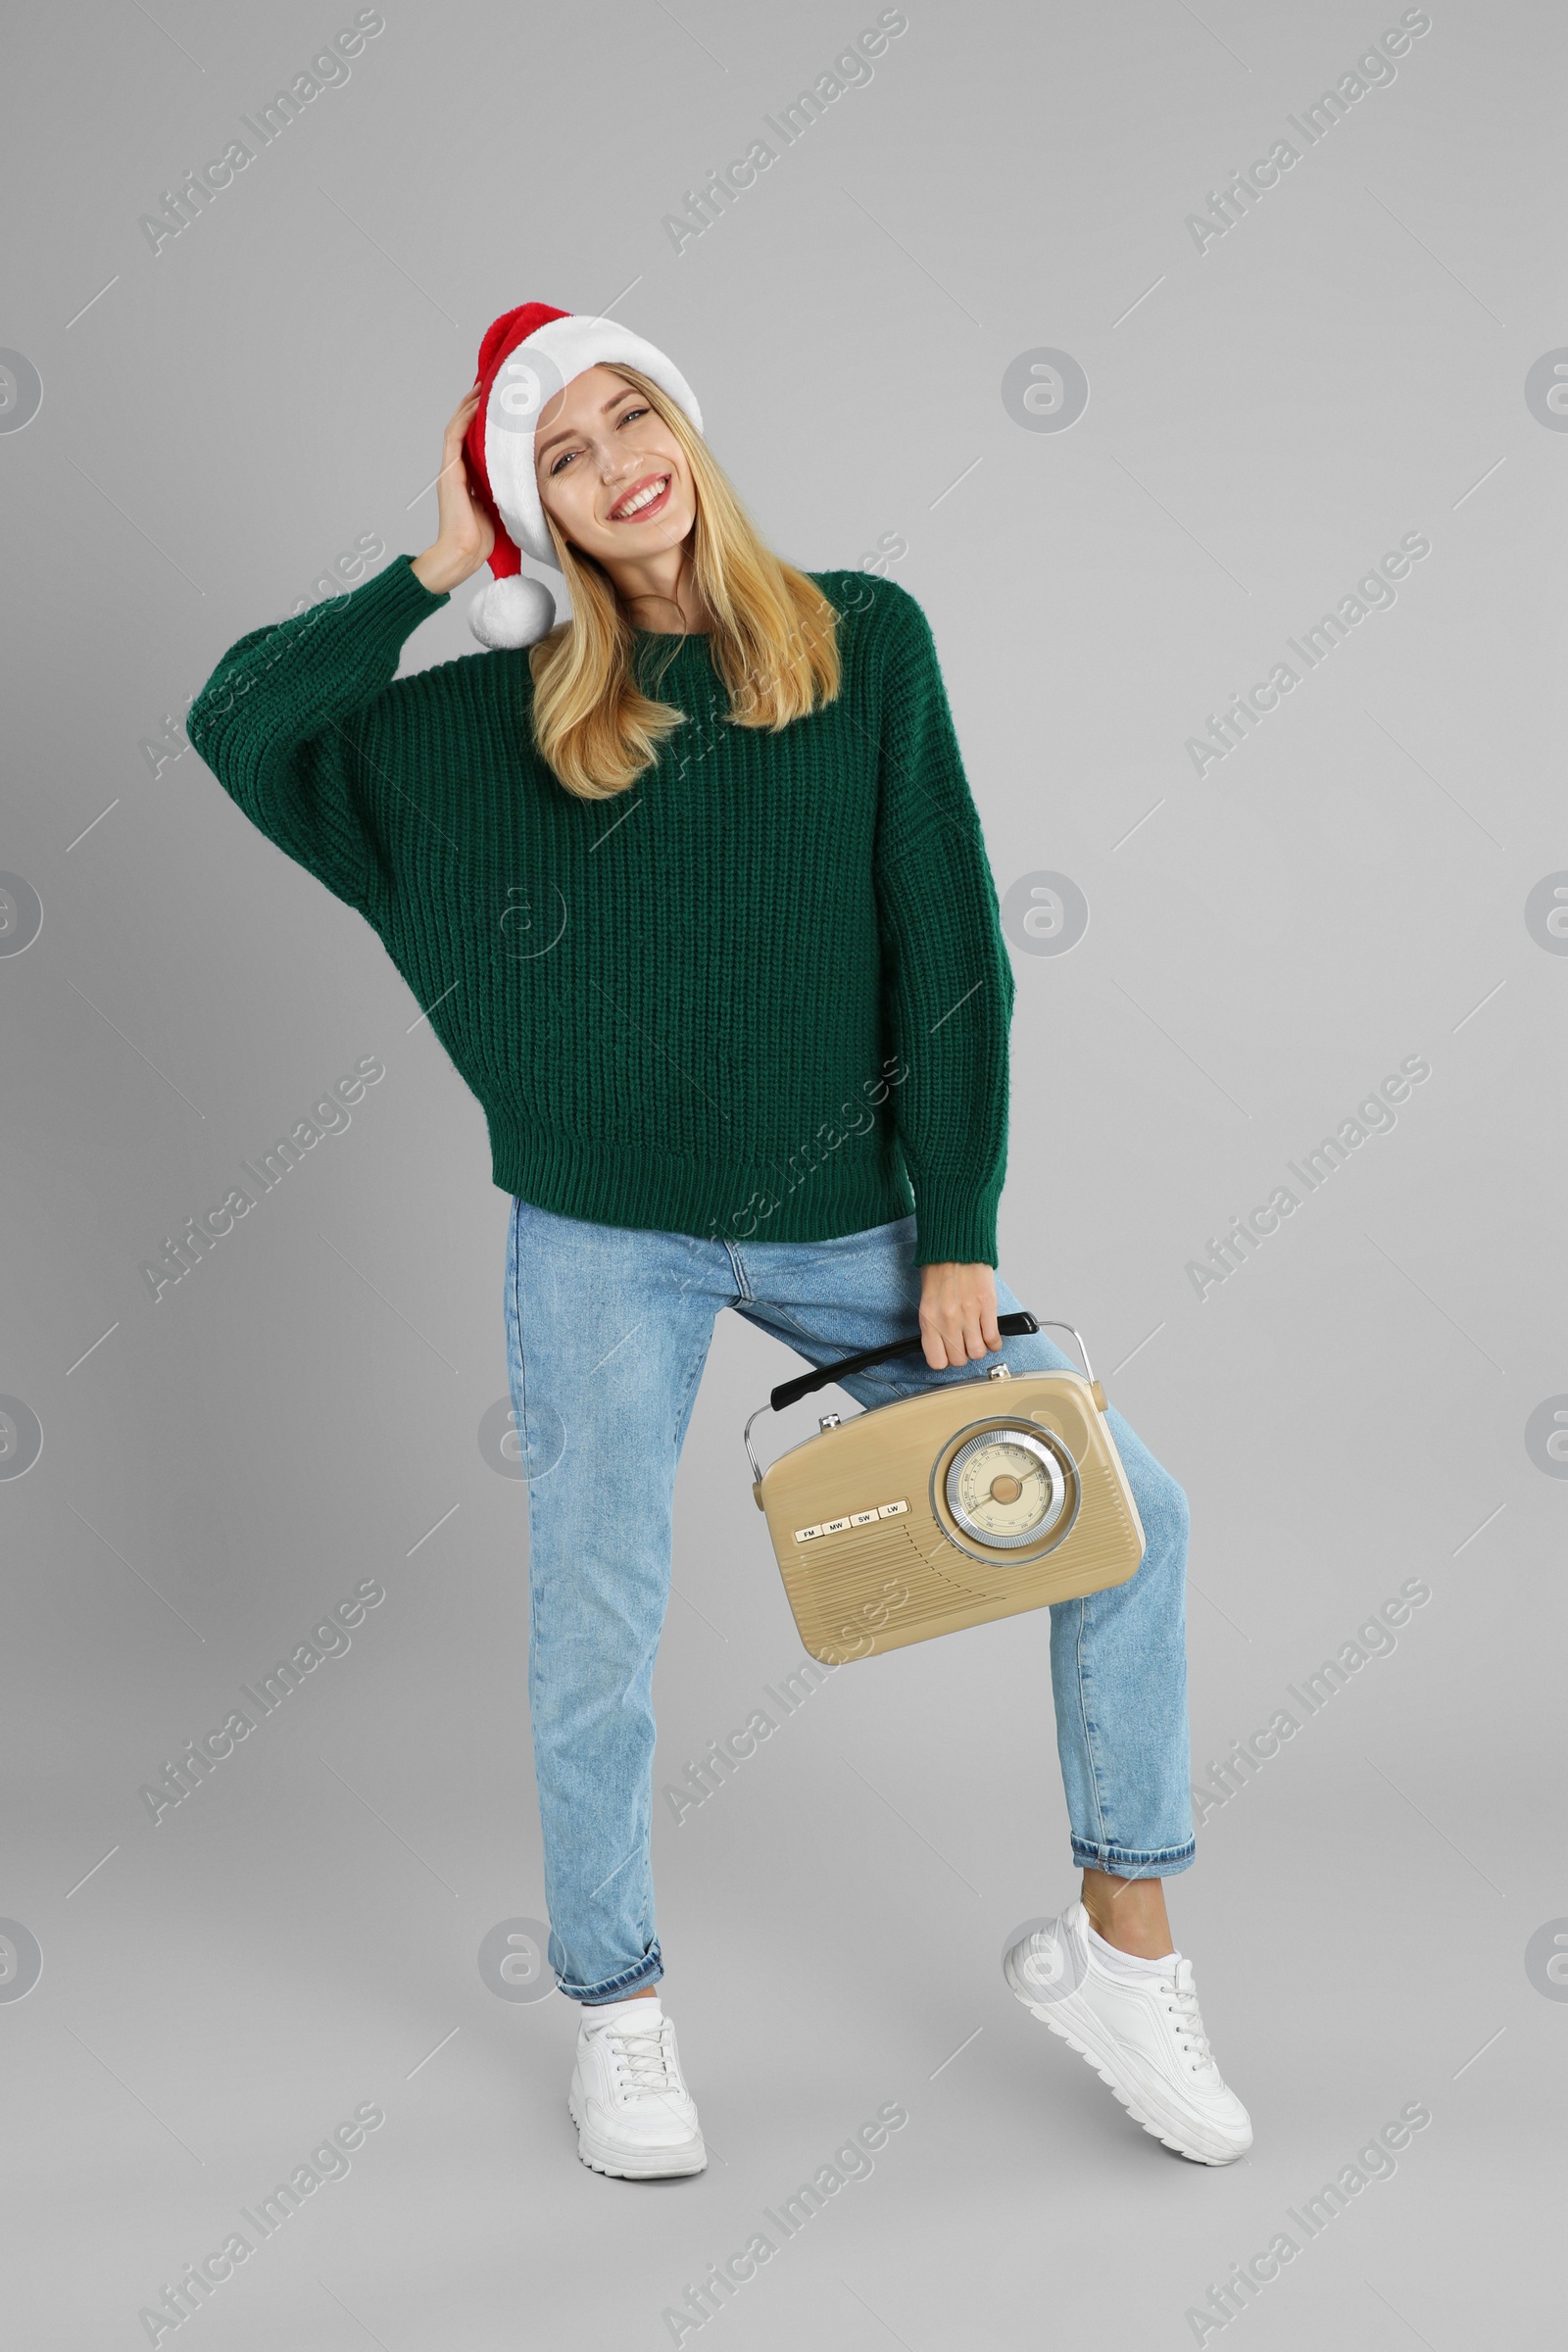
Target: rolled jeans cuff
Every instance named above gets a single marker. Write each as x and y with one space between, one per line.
1125 1862
649 1970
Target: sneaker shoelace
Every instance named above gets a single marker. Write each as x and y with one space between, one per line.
647 2061
1182 2002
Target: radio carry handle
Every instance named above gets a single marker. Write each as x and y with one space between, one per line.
803 1383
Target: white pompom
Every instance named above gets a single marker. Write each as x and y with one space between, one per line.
511 612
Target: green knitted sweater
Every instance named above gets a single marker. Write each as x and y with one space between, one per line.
759 995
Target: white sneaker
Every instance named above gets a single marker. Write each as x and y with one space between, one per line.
635 2117
1141 2033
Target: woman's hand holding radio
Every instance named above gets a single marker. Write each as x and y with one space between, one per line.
465 532
957 1313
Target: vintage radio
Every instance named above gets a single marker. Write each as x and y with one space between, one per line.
975 1499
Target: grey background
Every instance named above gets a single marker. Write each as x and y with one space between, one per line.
1265 418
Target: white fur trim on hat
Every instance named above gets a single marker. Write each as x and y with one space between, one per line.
513 612
529 376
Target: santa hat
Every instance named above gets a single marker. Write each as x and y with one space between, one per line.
526 356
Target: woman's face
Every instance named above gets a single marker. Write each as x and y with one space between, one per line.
611 474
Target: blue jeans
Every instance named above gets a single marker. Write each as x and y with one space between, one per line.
607 1330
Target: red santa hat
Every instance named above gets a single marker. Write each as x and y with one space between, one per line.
526 356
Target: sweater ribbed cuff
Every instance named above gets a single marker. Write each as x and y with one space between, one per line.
409 594
347 637
365 629
378 613
374 618
955 1219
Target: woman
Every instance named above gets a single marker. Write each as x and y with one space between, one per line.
697 898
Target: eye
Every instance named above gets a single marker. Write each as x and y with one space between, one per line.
557 462
627 413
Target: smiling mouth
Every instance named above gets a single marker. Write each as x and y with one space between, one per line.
647 499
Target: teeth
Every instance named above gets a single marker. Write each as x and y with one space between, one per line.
644 498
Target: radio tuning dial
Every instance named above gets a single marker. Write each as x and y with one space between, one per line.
1007 1488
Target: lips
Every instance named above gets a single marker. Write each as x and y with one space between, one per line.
642 500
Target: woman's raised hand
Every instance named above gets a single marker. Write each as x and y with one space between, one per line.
465 532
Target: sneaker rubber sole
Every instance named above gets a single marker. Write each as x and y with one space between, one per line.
647 2164
1061 2018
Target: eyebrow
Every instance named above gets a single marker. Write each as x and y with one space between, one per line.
565 431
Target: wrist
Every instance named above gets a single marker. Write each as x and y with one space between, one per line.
440 571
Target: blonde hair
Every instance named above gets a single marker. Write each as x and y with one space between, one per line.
772 637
